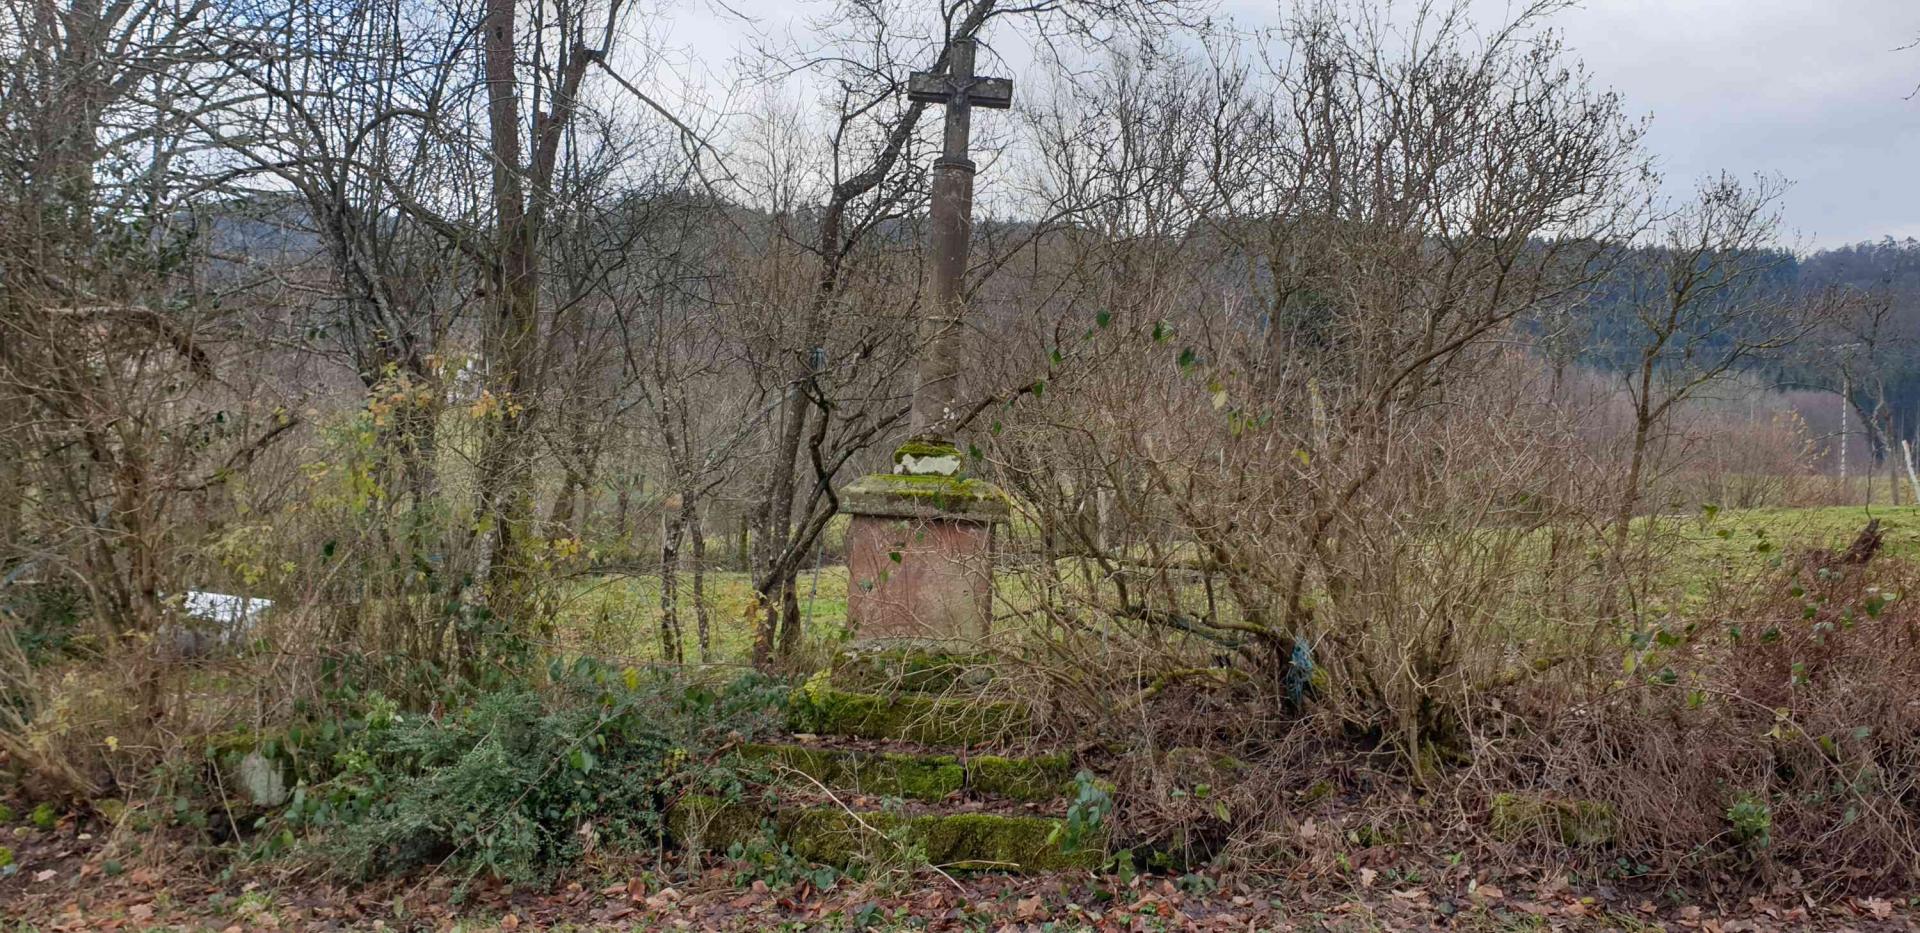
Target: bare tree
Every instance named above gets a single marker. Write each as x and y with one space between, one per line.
1704 302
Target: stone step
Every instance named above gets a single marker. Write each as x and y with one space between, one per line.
820 708
833 835
917 666
919 776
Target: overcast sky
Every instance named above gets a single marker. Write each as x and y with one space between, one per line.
1817 91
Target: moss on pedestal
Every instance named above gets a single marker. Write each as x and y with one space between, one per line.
921 450
931 495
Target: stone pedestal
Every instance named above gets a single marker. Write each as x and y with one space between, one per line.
920 555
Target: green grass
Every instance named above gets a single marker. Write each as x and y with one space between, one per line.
1727 548
1801 528
618 615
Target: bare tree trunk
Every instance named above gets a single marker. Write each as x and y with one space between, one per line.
696 526
623 513
561 516
672 527
505 477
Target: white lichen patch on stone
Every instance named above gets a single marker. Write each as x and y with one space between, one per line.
934 465
263 780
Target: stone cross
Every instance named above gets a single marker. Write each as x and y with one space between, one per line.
951 217
920 543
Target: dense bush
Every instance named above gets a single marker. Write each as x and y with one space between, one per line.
524 780
1778 734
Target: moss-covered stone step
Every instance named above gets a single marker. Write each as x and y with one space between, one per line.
820 708
910 665
923 776
836 836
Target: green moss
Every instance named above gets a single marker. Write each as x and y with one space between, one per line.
44 816
911 667
111 809
1042 778
924 449
6 814
1001 843
833 836
923 777
232 744
712 823
924 496
1316 792
6 856
1370 835
1517 817
932 485
888 774
819 708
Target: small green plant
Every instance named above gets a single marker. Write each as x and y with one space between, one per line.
766 859
1752 821
1085 816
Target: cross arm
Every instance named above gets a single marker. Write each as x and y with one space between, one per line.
991 93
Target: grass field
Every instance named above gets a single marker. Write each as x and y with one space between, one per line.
618 615
1721 547
1799 528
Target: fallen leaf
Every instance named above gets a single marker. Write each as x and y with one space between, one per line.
46 875
1030 908
1489 892
1366 877
510 922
